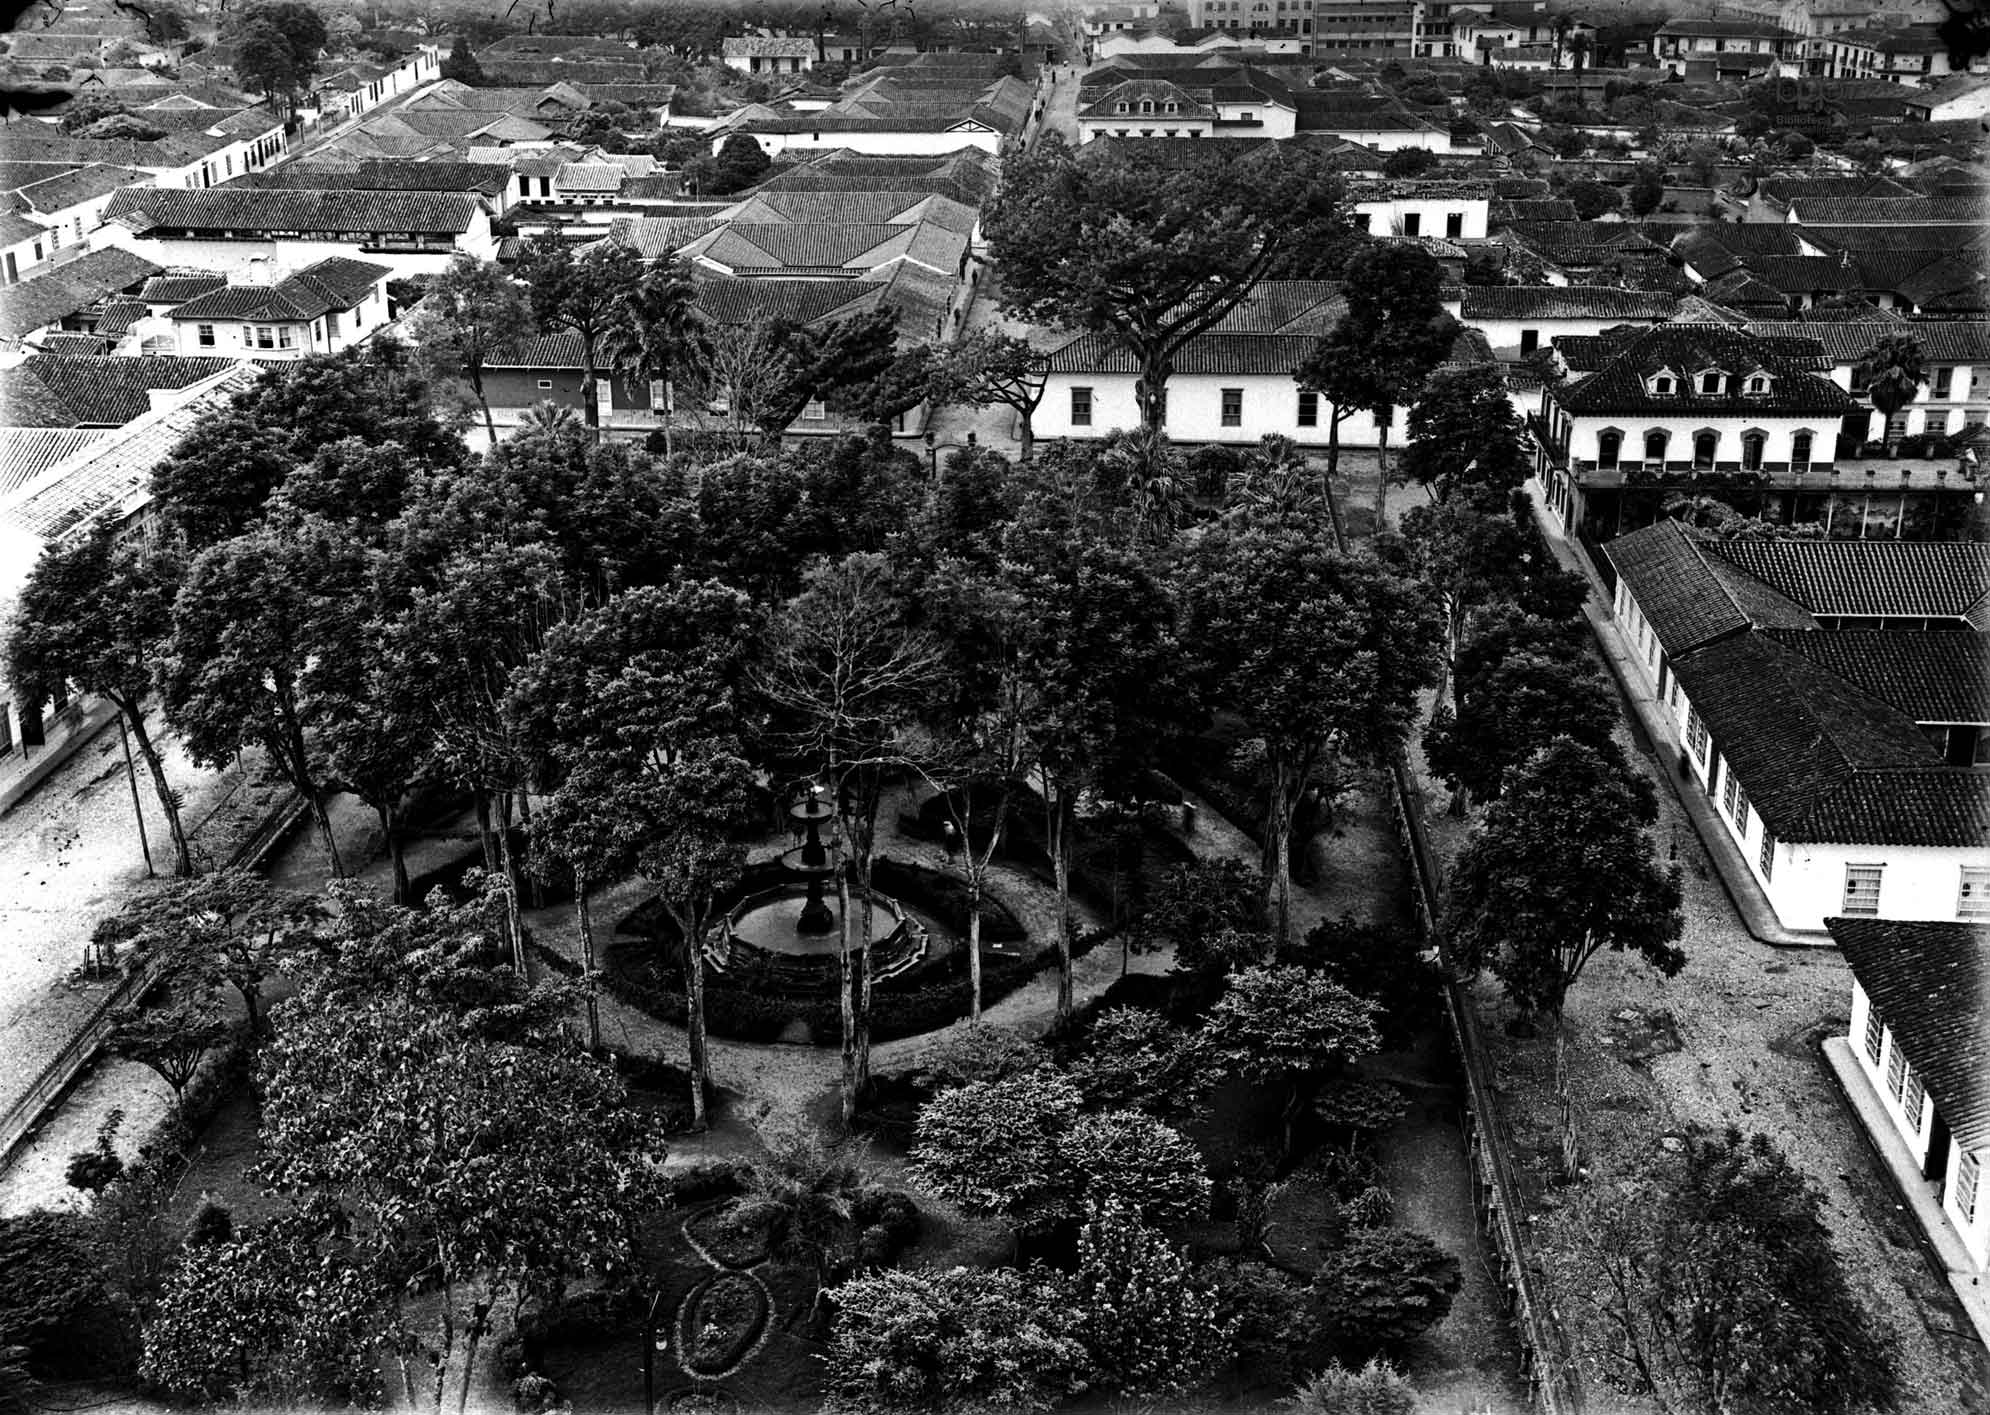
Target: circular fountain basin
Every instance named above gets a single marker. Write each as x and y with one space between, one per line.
770 920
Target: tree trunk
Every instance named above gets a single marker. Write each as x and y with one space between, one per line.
1059 831
1382 474
477 387
1028 435
1278 850
1334 420
973 945
591 412
182 852
587 960
531 883
484 830
1153 392
390 835
863 1077
844 997
513 919
300 777
694 1015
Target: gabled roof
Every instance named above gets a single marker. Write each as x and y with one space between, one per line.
484 178
16 229
1932 677
250 210
336 284
1563 302
27 452
56 390
1910 210
1930 983
180 286
1844 341
1241 354
1618 386
1908 579
1691 596
55 296
84 184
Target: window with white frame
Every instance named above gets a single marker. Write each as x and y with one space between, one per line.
1968 1173
1972 899
1710 382
1896 1070
545 383
1739 809
1729 793
1862 889
1768 855
1309 409
1800 450
1655 441
1875 1033
1696 734
1233 407
1081 407
815 411
1944 381
204 335
1609 447
1911 1098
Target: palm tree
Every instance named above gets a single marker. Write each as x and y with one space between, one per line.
1276 483
1893 372
549 417
1143 462
662 335
803 1194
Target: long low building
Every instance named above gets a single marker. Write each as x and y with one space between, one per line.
1832 699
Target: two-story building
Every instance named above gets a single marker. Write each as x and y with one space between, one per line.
1916 1059
1955 354
321 309
1832 701
1678 42
237 230
1519 319
759 54
1453 211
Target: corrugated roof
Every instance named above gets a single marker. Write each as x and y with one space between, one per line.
1930 983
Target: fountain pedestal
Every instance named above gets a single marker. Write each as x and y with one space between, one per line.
813 862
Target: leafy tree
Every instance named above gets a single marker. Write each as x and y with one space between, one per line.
983 1052
217 477
803 1197
1713 1284
1647 189
471 313
1562 868
278 47
1153 254
173 1036
846 675
50 1281
1379 354
497 1164
1710 513
91 617
1290 1029
1385 1288
1272 1318
461 64
1305 645
1151 1325
284 1314
988 366
1592 199
1136 1162
1383 964
767 373
1375 1389
1213 912
1511 709
740 163
1892 371
1466 439
584 294
940 1342
253 613
233 926
1409 162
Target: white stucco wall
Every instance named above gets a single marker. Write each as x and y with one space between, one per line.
1779 434
1153 125
873 143
1388 216
236 259
1968 391
1195 410
1505 333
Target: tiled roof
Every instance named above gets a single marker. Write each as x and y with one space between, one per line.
344 212
728 301
173 150
84 184
55 390
90 344
1938 579
1887 211
46 299
177 289
599 178
1930 983
16 229
1823 761
1506 210
485 178
1844 341
1681 589
1310 307
1805 274
1563 302
1618 385
115 473
1784 190
333 284
27 452
1932 677
1274 354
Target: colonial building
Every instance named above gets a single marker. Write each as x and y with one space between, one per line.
321 309
1920 1040
768 55
1832 700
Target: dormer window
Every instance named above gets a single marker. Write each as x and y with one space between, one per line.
1664 384
1146 105
1757 385
1119 108
1712 380
1171 107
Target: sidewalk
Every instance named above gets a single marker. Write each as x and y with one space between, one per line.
1919 1193
1655 727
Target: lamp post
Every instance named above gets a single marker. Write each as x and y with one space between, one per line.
654 1342
932 454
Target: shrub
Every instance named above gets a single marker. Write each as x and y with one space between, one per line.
1385 1288
211 1223
890 1223
1151 1326
1376 1389
1273 1321
49 1279
1130 1056
984 1053
707 1179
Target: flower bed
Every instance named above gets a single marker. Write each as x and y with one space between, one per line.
719 1323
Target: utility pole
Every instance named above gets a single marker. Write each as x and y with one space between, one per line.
138 809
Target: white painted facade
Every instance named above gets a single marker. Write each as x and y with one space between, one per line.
1512 334
1805 882
250 339
1585 437
872 142
1965 1197
1266 403
339 104
252 256
1954 395
1449 217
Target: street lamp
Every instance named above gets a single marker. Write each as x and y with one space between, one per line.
655 1343
932 454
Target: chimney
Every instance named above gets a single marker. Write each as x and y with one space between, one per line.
259 271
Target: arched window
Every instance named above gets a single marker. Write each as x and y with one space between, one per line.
1800 450
1609 447
1758 383
1655 446
1705 445
1751 450
1146 105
